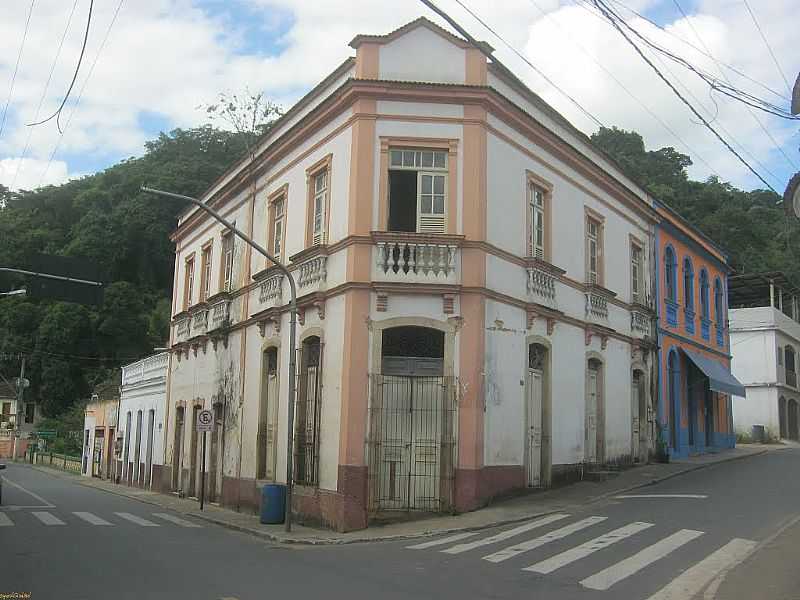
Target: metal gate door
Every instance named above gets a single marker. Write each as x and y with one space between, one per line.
411 442
635 419
534 437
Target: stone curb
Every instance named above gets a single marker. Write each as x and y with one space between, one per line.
403 536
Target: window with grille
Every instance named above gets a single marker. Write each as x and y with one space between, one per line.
536 221
188 283
309 400
593 251
320 196
277 226
205 277
417 190
227 262
636 274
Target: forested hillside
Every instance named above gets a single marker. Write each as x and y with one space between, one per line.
104 217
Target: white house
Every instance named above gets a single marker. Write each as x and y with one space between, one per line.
476 310
139 448
765 340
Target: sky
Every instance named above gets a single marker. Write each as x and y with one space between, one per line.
150 65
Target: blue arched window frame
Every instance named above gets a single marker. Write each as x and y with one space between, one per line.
705 316
671 286
688 295
719 310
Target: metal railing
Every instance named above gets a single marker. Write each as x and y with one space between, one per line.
58 461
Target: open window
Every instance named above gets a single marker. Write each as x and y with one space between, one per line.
417 190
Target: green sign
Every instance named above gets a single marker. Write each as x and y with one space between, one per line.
45 434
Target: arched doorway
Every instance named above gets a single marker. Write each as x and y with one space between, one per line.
792 419
673 397
536 432
638 417
782 424
309 405
412 419
594 429
266 438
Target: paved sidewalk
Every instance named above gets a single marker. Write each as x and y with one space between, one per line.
502 512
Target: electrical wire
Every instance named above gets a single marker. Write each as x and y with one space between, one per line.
80 93
726 78
44 94
450 20
65 355
622 85
57 114
16 67
613 19
688 43
769 47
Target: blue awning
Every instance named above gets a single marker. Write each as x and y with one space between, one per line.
719 377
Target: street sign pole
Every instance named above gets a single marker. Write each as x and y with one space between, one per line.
205 423
203 473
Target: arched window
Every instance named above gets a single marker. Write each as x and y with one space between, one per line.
688 285
669 268
718 316
704 308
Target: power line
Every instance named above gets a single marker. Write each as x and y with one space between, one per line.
622 85
767 44
463 32
16 67
57 114
688 43
44 94
80 94
724 76
613 17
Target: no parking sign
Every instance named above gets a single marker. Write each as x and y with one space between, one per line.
205 421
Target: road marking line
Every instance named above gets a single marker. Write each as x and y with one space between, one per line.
5 521
627 496
90 518
45 503
47 518
557 534
176 520
693 580
578 552
442 541
137 520
602 580
504 535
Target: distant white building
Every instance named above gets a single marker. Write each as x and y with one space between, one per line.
139 450
765 339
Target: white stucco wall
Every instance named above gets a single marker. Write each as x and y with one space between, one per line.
422 55
760 407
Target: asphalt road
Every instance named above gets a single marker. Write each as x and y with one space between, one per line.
734 537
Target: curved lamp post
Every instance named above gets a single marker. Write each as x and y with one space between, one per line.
292 331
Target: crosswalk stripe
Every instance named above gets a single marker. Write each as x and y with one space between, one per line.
90 518
5 521
693 580
504 535
47 518
135 519
604 579
557 534
443 541
578 552
176 520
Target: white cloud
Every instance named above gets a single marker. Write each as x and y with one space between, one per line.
167 57
29 173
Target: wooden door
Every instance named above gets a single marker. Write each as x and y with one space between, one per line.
591 417
533 437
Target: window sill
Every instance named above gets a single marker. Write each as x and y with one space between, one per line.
422 238
543 265
596 288
310 252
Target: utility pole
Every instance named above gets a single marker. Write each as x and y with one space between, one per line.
20 397
292 333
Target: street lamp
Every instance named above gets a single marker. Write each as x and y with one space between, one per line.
292 332
21 292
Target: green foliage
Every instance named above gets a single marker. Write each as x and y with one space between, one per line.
749 226
71 348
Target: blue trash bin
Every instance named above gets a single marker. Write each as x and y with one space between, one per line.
273 503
